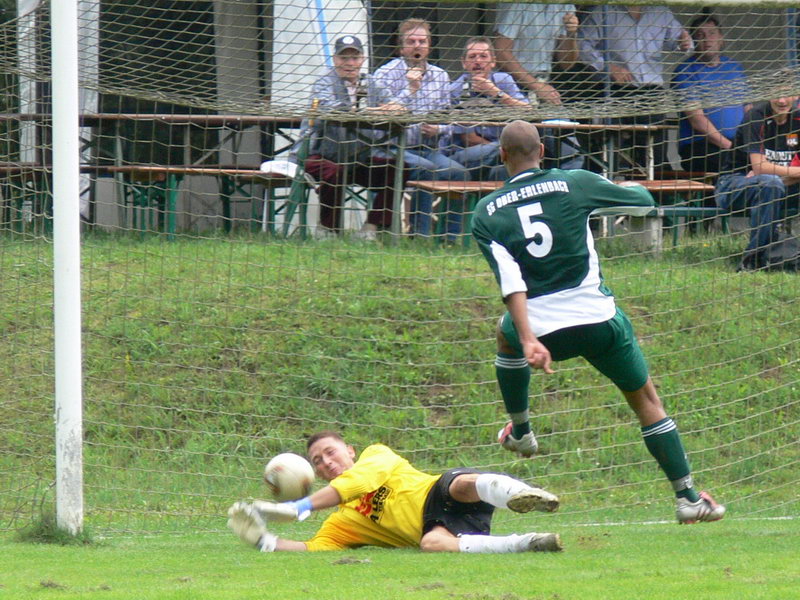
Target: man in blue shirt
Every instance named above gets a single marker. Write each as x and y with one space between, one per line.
705 77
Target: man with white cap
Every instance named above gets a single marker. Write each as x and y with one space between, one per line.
348 150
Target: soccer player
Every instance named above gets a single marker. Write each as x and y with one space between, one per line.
384 501
534 232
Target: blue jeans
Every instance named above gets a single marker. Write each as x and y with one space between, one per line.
478 156
426 164
763 195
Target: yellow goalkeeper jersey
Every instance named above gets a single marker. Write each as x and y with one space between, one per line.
382 501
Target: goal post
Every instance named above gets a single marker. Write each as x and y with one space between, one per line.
67 271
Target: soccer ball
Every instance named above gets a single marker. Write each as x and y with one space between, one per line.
289 476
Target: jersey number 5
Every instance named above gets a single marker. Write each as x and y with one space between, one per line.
537 231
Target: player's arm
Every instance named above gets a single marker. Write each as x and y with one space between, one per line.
566 52
600 195
507 61
298 510
762 166
247 522
703 125
513 288
369 472
537 353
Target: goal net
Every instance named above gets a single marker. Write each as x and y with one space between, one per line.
257 268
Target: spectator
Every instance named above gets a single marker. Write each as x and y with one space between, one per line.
706 134
384 501
421 88
386 15
530 39
755 175
345 151
627 43
480 85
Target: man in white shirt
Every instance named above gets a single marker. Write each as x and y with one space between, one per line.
422 88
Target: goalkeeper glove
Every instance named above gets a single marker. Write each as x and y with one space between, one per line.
298 510
247 524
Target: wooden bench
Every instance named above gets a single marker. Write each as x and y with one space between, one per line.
686 202
159 184
147 186
704 176
26 190
649 228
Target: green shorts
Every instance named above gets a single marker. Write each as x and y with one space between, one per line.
610 347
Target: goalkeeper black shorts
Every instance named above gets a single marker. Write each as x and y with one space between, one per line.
456 517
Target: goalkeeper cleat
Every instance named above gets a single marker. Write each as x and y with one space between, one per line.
704 510
527 446
540 542
533 499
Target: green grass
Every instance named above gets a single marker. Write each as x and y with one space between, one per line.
725 561
204 357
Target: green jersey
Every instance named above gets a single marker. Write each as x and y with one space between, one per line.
534 231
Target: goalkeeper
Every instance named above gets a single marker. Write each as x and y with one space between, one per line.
384 501
534 232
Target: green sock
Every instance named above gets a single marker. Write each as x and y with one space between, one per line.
513 377
664 443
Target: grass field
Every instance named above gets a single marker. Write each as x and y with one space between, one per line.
204 357
728 560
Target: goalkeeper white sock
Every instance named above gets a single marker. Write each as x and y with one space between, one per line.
496 489
267 542
489 544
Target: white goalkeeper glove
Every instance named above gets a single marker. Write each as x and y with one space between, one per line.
282 512
246 522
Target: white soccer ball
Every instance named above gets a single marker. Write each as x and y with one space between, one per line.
289 476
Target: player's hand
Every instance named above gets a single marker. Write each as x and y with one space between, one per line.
429 129
685 42
547 93
482 85
246 523
620 74
538 356
281 512
571 23
414 77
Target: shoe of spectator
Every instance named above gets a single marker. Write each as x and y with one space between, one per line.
527 446
368 233
540 542
533 499
751 261
323 233
704 510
